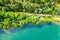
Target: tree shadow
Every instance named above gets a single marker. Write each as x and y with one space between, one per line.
2 31
29 26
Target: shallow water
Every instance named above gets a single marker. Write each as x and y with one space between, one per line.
40 32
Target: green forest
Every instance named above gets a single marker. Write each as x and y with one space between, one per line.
9 9
31 6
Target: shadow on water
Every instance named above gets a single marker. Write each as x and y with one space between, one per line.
1 31
30 26
27 26
47 31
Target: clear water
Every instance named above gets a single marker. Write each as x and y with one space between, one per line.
43 32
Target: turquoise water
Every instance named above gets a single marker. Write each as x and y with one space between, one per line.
40 32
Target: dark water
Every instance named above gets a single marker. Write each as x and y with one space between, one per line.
49 31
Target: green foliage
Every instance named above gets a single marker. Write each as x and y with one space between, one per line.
10 5
32 6
7 23
1 25
15 24
38 22
57 9
46 19
10 19
22 16
58 1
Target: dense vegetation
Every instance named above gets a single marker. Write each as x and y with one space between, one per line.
11 19
32 6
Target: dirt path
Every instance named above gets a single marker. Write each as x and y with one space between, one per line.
33 14
45 15
36 14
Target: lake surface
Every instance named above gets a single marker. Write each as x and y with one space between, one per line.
48 31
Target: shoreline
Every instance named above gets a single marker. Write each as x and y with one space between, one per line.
54 18
8 31
58 23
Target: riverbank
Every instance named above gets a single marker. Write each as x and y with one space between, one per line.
47 32
30 26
